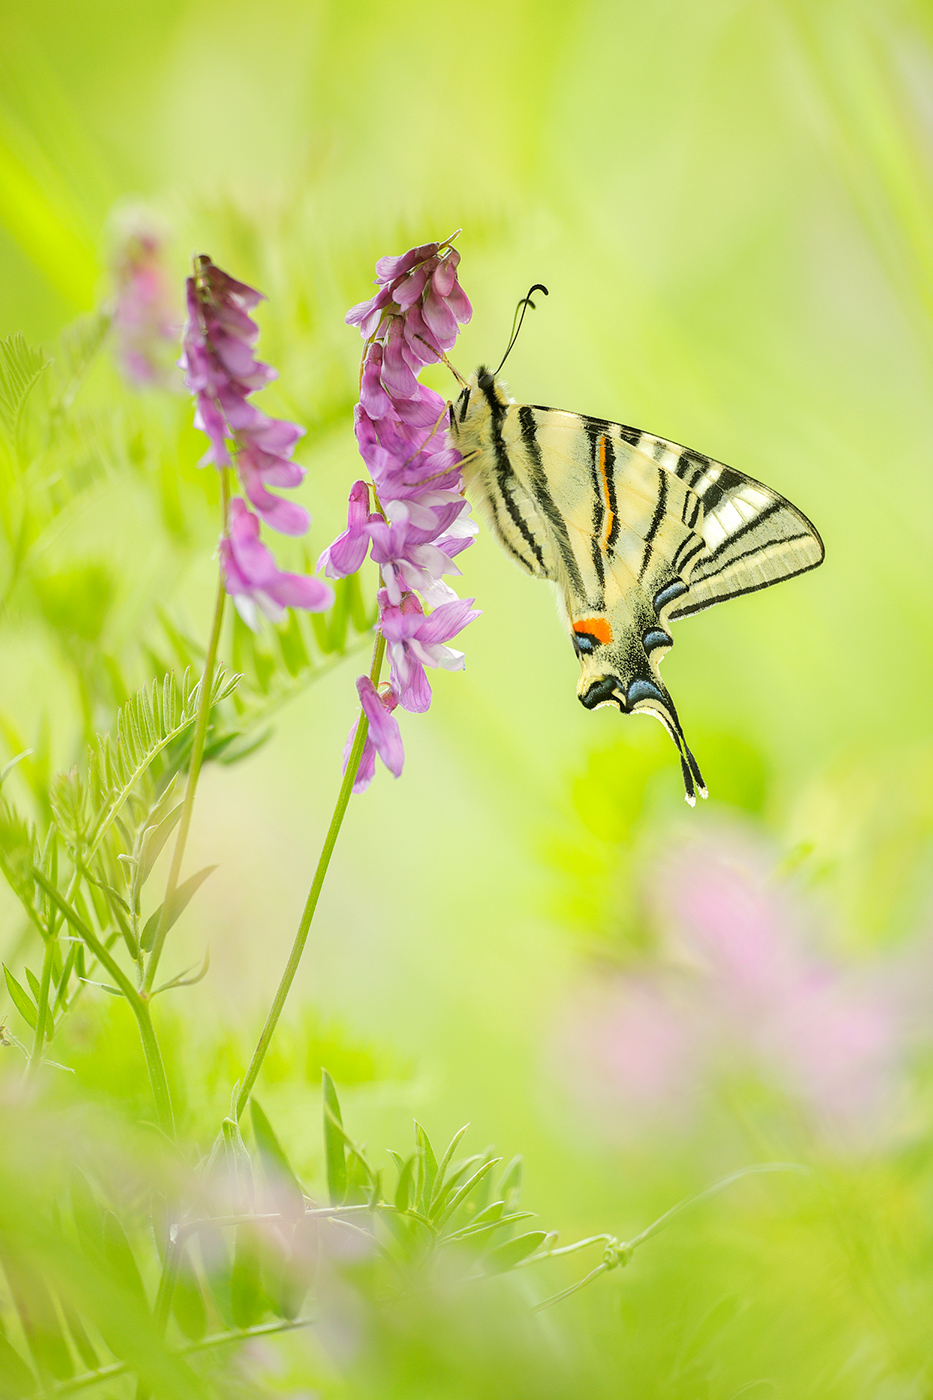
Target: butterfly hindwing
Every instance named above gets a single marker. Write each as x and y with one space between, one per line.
636 532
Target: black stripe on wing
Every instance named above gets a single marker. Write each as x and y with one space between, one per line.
543 497
752 538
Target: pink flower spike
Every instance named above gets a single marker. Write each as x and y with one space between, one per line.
384 737
367 769
348 550
254 581
387 269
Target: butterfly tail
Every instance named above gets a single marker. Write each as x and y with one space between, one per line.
653 698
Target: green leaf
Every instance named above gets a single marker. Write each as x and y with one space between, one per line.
292 646
119 1256
88 1215
506 1256
456 1175
188 1300
16 1379
19 852
7 768
247 1295
21 999
339 618
510 1183
428 1172
406 1178
152 719
217 1269
177 906
363 620
21 368
287 1291
446 1159
38 1317
335 1154
483 1230
154 838
469 1185
80 1337
78 347
276 1165
34 984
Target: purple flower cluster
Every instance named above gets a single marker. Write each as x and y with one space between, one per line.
145 320
222 372
412 520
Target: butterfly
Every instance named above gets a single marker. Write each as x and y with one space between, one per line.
635 531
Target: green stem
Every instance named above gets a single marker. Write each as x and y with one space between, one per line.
139 1005
194 768
301 937
218 1339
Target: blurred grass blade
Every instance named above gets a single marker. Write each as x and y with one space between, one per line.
277 1168
120 1257
16 1379
335 1152
247 1296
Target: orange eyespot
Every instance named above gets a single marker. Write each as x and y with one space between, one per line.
597 627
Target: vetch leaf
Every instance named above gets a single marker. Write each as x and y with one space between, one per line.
176 908
406 1178
460 1196
21 999
506 1256
154 838
510 1183
21 368
428 1172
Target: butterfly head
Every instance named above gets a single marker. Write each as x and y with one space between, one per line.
483 393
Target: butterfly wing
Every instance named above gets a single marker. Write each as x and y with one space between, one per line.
635 530
752 536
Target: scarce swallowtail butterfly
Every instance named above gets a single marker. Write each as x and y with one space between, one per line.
635 531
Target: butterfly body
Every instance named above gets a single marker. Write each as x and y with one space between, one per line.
634 530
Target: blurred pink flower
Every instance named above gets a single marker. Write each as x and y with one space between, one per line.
740 985
146 320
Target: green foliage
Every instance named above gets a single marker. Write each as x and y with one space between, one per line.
21 368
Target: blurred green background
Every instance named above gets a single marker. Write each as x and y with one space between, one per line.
732 207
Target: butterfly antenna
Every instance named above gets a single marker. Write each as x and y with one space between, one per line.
519 316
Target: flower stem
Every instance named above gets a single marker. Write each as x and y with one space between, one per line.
330 841
139 1004
194 767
